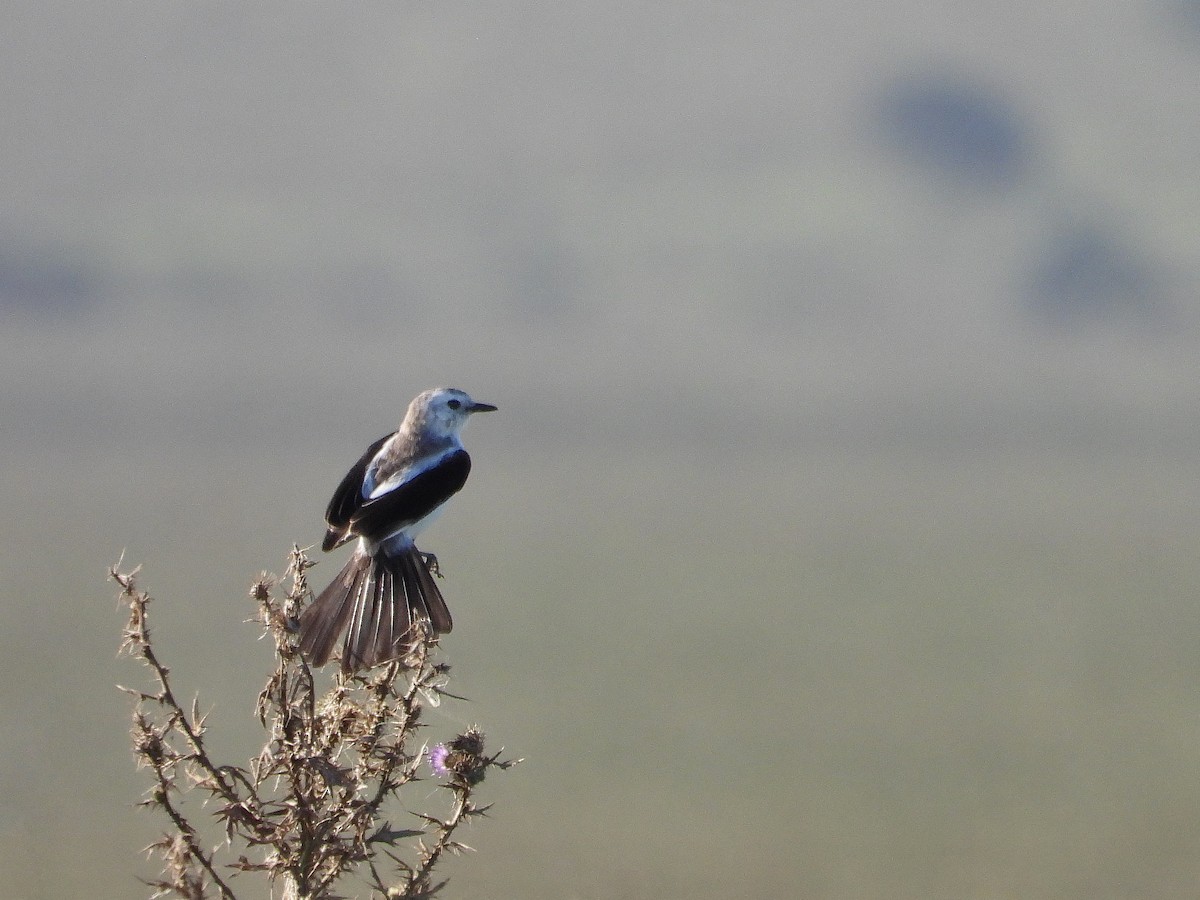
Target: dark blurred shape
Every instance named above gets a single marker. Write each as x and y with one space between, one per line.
1088 274
46 281
957 129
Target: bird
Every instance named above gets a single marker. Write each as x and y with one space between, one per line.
385 596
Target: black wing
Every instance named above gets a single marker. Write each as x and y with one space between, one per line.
348 498
413 500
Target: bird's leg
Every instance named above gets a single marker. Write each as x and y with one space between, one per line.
431 564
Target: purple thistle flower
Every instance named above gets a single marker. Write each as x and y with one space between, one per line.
438 754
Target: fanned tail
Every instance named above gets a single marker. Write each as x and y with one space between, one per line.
376 600
323 622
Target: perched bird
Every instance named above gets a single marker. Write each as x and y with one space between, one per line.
386 592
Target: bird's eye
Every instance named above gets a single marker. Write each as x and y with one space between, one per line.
454 404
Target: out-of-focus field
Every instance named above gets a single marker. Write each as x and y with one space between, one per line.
834 677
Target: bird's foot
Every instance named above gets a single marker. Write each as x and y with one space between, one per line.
431 563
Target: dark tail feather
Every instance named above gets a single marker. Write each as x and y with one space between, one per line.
376 601
323 622
422 593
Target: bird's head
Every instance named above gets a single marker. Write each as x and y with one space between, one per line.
443 410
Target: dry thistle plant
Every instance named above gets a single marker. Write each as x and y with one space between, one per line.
310 810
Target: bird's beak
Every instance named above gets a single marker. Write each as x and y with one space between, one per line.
481 407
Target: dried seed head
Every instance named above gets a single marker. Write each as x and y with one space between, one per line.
464 757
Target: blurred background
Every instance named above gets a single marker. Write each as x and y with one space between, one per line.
837 536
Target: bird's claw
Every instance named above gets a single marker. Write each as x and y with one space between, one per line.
431 563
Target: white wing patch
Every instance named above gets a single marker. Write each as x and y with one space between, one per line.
372 490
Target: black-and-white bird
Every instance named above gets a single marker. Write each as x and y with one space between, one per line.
386 592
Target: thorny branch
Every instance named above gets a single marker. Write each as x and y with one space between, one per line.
308 810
